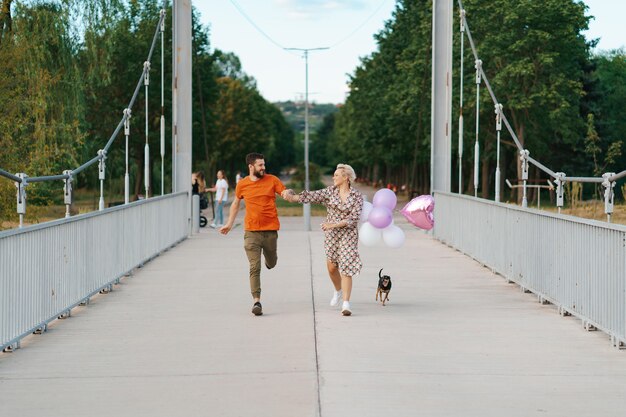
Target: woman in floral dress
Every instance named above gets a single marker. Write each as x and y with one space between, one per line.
344 204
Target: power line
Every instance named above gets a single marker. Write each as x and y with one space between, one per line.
268 37
275 43
361 25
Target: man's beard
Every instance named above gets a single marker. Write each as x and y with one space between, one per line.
259 174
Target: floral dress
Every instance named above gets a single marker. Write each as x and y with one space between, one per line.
341 243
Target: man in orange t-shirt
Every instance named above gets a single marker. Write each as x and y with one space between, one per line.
261 222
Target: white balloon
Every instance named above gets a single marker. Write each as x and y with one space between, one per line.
393 236
367 208
369 235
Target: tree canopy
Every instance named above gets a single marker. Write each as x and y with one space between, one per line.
68 68
544 74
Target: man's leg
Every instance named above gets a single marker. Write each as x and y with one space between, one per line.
253 245
270 248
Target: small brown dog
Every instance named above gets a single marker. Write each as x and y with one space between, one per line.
384 286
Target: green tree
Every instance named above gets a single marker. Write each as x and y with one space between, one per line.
537 70
383 128
41 94
6 23
609 101
241 124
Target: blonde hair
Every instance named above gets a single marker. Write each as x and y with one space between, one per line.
349 172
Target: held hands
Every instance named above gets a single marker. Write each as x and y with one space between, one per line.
290 196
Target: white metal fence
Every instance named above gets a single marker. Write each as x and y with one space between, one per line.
579 265
47 269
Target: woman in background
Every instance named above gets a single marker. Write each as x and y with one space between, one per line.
221 197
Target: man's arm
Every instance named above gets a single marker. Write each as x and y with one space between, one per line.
234 209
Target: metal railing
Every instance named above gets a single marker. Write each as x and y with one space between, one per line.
48 269
576 264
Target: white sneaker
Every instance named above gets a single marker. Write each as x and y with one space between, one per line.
336 297
345 309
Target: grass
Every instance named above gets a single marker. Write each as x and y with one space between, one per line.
593 210
287 209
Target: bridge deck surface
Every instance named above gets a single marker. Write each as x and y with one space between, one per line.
178 339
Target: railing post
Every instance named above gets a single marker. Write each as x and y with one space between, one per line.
127 115
478 65
146 164
498 130
67 192
101 174
195 223
560 182
21 196
524 158
609 194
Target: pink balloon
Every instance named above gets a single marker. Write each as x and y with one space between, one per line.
385 198
380 217
419 211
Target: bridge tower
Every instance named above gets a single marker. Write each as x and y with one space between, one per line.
441 116
181 98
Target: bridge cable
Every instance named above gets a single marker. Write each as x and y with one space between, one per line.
608 179
162 125
462 30
478 67
146 164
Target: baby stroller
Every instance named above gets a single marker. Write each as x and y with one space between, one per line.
204 204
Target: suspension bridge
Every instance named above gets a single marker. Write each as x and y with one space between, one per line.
503 310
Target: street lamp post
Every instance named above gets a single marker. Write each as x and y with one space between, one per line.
306 208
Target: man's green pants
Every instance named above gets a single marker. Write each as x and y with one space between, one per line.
255 243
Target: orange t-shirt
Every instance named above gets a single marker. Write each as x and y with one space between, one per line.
260 199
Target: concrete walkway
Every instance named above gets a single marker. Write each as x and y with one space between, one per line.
178 339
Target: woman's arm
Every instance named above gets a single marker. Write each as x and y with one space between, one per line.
317 196
351 221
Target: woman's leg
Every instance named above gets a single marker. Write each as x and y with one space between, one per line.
333 273
346 286
220 214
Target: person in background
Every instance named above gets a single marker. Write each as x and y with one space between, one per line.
221 197
198 183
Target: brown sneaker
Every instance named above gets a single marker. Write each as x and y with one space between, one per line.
257 309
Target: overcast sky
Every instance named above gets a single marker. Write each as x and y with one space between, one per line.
346 26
